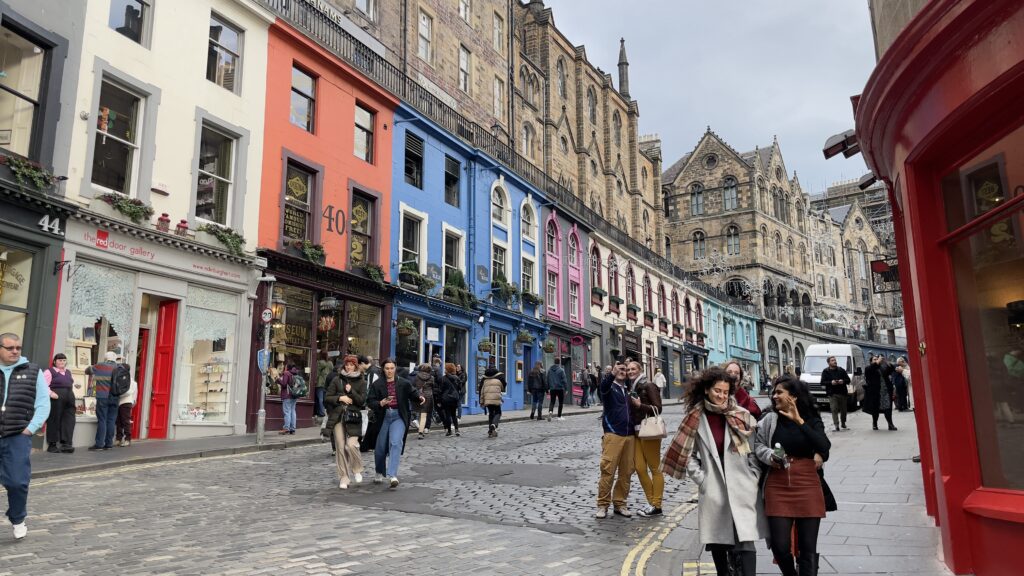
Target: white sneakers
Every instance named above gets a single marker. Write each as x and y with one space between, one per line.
378 479
343 485
394 481
359 478
20 530
602 513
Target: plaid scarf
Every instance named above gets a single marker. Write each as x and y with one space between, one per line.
740 424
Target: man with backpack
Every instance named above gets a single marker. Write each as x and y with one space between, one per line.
293 387
110 381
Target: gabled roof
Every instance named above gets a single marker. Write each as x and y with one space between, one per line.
668 176
674 170
839 213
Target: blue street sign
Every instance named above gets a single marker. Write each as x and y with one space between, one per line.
263 360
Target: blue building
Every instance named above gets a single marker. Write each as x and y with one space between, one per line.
464 237
732 335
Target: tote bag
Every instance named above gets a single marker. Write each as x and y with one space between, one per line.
653 427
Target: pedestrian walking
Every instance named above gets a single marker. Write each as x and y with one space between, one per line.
463 378
743 398
288 400
713 447
647 451
902 362
389 400
595 377
878 392
106 403
324 370
616 442
661 382
423 382
449 400
557 385
345 398
836 382
899 384
24 406
125 404
537 386
60 426
787 440
492 388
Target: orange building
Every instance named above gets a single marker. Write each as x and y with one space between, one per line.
324 215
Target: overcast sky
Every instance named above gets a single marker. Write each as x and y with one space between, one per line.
750 69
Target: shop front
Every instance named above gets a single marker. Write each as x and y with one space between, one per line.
427 327
317 312
572 345
750 361
695 358
173 310
673 366
940 122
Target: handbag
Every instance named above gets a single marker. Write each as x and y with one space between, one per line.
352 417
850 389
653 427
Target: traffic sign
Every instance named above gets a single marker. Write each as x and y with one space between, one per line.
267 315
263 360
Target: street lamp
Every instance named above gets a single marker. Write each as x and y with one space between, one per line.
261 416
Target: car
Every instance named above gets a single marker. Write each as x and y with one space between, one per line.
849 356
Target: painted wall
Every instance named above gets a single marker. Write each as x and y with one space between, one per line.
328 150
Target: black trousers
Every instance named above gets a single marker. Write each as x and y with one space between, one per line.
448 416
743 563
806 541
560 394
124 422
494 415
888 418
60 426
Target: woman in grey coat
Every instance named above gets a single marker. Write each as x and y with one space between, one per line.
713 447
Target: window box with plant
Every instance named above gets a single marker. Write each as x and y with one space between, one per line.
531 299
548 346
456 292
485 346
214 234
504 290
27 173
525 337
132 208
375 273
411 278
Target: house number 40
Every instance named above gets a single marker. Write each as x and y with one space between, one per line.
51 225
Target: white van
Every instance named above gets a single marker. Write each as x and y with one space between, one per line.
848 356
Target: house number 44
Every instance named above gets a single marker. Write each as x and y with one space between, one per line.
51 225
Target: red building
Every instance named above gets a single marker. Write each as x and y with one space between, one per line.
941 121
324 213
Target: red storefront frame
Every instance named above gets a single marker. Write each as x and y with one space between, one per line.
950 86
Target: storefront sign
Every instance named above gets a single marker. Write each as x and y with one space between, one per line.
744 354
149 252
694 349
631 340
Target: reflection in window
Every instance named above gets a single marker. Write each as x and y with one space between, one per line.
117 139
15 283
208 355
19 90
290 341
363 329
407 341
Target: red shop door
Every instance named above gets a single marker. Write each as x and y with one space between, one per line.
140 378
163 368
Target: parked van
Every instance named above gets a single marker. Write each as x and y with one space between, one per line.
848 356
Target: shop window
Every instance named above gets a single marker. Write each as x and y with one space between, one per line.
413 160
15 284
224 54
117 139
215 184
303 104
362 329
456 349
20 87
362 230
498 269
207 357
363 145
452 172
499 357
292 338
131 18
99 319
407 341
298 194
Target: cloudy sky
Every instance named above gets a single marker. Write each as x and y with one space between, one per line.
751 69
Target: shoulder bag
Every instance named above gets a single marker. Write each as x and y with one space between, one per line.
653 427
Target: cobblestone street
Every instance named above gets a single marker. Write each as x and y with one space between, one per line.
519 504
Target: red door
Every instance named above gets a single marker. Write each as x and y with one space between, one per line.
140 378
163 368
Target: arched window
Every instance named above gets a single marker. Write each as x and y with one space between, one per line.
700 317
643 177
698 245
592 105
689 314
786 357
833 286
764 241
732 240
785 208
574 250
817 253
747 338
773 356
661 301
560 77
527 222
648 295
863 248
595 267
831 256
528 141
499 207
789 250
630 286
775 202
778 247
647 220
729 194
803 258
696 199
675 307
613 275
551 242
617 128
800 215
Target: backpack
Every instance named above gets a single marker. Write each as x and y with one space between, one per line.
120 380
298 388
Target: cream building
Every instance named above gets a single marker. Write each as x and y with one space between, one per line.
169 115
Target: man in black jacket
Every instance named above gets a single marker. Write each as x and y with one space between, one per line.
834 379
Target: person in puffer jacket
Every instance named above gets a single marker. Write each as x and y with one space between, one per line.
492 387
424 383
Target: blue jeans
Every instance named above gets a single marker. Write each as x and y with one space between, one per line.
319 407
15 473
106 421
389 443
537 403
288 407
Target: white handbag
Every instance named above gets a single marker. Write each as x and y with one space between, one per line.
653 427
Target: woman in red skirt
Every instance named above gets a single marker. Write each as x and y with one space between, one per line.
787 439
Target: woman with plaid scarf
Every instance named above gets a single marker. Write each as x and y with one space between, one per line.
713 448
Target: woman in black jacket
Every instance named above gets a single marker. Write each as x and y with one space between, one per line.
389 399
448 399
537 385
878 391
345 399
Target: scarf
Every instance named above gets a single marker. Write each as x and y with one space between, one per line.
738 420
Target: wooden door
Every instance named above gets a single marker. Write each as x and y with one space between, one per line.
163 368
140 377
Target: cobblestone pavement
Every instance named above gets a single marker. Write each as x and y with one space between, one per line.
522 503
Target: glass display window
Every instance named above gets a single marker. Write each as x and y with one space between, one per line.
407 341
363 329
15 283
292 334
207 356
